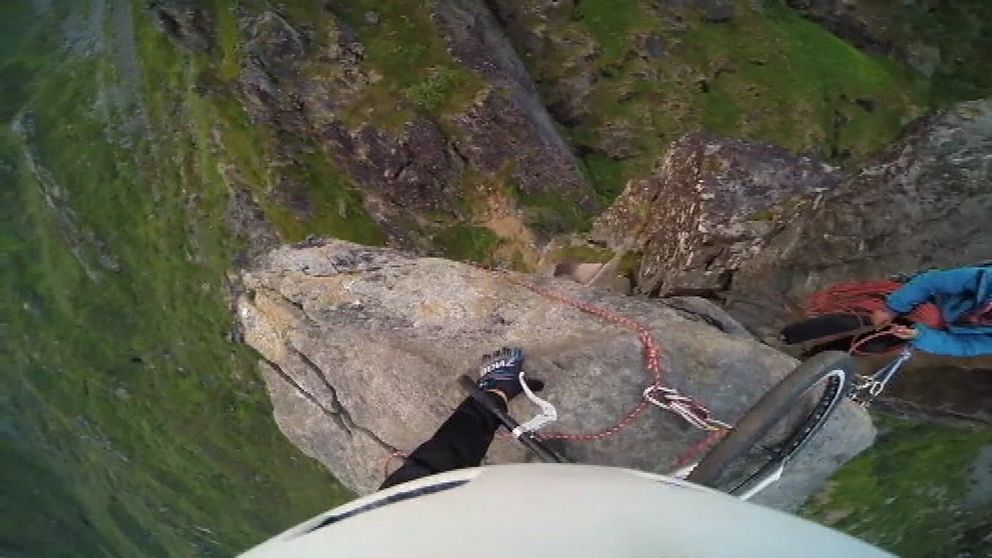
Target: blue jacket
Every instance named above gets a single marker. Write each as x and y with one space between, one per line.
956 292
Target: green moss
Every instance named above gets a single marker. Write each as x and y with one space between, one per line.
411 62
13 92
607 175
401 45
962 32
334 206
958 36
611 23
439 89
910 493
550 213
720 112
767 215
797 85
519 262
583 253
467 243
228 39
767 75
337 208
630 264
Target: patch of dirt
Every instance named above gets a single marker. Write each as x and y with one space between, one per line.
519 245
498 213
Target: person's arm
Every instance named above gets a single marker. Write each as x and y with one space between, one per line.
941 342
462 441
925 286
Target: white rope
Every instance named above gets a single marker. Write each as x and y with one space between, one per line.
547 415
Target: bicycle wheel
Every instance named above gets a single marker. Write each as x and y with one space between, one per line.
823 328
777 427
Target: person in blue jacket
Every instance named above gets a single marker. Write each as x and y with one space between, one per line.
964 296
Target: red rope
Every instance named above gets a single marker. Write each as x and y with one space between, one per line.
652 357
653 365
862 298
865 297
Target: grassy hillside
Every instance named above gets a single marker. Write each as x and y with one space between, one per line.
923 490
132 424
764 74
131 421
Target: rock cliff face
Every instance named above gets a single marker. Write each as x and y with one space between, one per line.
925 203
708 209
299 83
417 106
760 229
511 128
398 123
362 348
146 144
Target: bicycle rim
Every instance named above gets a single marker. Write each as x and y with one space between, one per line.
785 433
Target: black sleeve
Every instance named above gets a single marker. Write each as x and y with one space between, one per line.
462 441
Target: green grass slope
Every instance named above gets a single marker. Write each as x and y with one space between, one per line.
766 74
923 490
131 424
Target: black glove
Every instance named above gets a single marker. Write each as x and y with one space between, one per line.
501 371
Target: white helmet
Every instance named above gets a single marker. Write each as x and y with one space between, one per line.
550 510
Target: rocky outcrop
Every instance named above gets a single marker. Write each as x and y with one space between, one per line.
362 348
186 22
933 38
707 210
418 127
925 203
312 82
511 125
301 84
761 229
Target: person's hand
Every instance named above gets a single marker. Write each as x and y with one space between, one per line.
501 373
904 332
882 318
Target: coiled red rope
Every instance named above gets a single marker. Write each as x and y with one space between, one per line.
862 298
865 297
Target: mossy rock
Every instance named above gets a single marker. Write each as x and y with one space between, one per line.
467 243
581 253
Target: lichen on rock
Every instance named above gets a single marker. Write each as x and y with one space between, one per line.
924 203
409 124
707 209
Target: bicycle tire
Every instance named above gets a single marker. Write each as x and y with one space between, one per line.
834 366
823 328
